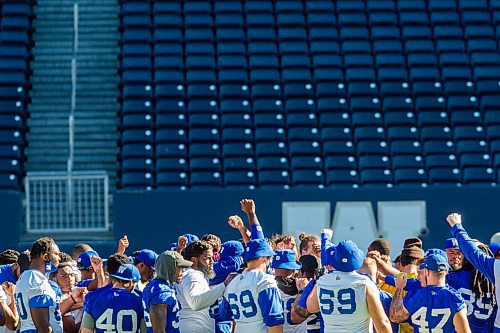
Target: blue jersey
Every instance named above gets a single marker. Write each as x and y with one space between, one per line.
479 309
432 308
220 325
91 297
6 274
386 299
315 320
117 310
160 292
488 266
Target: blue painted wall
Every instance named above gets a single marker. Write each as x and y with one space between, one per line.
10 219
155 219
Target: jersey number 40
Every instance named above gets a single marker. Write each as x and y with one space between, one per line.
106 324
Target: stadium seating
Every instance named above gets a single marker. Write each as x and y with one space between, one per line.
15 37
314 93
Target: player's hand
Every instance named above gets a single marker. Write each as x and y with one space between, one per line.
78 294
316 248
235 222
181 243
230 278
401 281
374 254
8 287
329 232
301 283
123 244
454 219
96 264
248 206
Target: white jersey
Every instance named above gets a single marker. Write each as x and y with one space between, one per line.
8 301
243 296
33 283
342 302
195 297
289 326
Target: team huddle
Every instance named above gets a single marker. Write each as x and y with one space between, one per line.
253 285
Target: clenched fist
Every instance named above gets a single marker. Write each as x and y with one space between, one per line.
248 206
235 222
123 243
454 219
401 281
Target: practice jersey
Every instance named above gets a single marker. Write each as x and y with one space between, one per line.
342 302
117 310
289 326
253 301
480 312
160 292
432 308
33 290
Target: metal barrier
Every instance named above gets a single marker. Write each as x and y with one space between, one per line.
51 208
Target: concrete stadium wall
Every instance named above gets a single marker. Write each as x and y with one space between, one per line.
154 219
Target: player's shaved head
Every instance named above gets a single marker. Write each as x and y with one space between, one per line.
79 249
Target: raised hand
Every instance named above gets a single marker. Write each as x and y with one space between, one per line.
401 281
235 222
8 287
248 206
123 244
329 232
453 219
78 294
182 242
96 264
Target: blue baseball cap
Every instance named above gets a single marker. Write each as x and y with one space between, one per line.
127 272
147 257
83 261
258 248
451 244
191 238
436 251
347 257
285 259
436 263
231 249
494 247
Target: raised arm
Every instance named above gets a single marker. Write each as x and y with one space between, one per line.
248 206
484 263
397 312
10 311
237 223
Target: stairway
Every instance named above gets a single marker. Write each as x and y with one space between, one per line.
96 121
